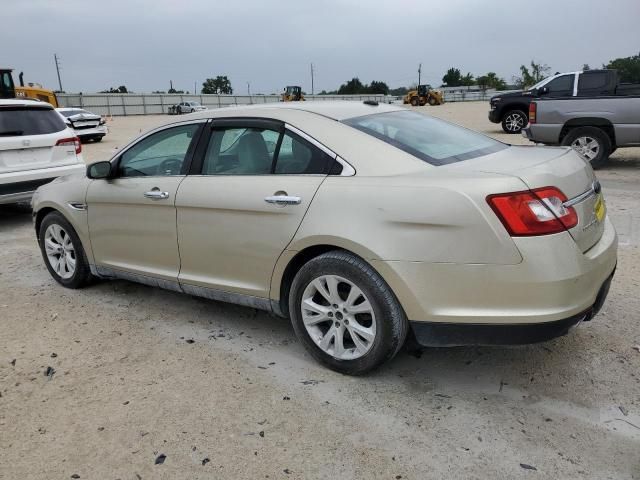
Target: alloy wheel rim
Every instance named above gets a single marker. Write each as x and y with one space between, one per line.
514 122
60 251
338 317
587 147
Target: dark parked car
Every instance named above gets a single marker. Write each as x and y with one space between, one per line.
511 109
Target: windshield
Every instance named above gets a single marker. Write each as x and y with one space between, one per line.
540 83
430 139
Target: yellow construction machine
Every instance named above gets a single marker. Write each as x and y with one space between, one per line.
32 90
292 94
423 95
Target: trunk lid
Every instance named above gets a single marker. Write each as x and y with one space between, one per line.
35 151
557 167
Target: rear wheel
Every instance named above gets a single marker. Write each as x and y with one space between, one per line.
62 252
345 314
415 101
591 143
514 121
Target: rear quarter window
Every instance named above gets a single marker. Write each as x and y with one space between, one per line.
20 120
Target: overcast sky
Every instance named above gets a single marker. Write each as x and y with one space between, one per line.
145 43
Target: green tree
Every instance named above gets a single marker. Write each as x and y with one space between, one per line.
398 91
120 89
453 78
377 88
586 67
468 80
530 77
491 80
628 68
352 87
219 85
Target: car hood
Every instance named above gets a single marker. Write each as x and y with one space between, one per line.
518 93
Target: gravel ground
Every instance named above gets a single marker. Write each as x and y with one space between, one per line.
105 382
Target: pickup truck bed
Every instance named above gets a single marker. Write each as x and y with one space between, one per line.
594 126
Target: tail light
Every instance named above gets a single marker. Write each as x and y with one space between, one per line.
68 142
534 212
533 109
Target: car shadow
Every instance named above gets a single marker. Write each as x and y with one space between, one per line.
15 215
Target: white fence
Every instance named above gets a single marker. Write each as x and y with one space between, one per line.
149 104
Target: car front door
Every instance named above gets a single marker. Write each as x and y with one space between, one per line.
243 205
132 216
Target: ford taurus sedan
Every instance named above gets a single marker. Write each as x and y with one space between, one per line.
363 223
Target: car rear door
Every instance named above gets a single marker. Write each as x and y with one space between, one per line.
29 134
241 207
132 216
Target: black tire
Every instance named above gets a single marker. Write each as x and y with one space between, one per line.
432 101
415 101
514 121
390 320
602 139
82 275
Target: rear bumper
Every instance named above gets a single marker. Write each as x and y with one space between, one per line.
19 186
554 281
434 334
548 134
100 131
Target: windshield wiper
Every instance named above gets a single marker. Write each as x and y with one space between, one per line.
11 133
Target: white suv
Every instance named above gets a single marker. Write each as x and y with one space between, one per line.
36 146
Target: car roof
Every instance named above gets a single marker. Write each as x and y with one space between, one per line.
334 109
27 102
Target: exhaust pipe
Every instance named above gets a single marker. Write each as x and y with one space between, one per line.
21 79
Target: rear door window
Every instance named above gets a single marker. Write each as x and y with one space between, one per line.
589 83
21 120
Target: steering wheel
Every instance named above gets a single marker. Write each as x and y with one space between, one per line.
170 166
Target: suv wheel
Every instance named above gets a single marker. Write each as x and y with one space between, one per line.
62 252
514 121
591 143
345 314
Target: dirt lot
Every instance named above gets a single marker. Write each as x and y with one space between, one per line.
227 392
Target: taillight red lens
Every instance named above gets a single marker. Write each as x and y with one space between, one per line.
68 142
533 109
534 212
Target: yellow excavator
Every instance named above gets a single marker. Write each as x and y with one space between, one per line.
423 95
292 94
32 90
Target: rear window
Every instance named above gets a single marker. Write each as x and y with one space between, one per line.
20 120
435 141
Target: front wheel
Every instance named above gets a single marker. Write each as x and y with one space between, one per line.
345 314
415 101
62 252
514 121
432 101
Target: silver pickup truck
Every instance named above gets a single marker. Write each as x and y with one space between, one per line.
594 126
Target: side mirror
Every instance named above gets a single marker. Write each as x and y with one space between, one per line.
99 170
543 90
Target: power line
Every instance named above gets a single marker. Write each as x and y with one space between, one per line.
55 58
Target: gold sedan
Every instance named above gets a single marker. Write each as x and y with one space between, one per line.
363 223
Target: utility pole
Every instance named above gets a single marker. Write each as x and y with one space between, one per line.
194 88
312 79
419 73
55 58
249 88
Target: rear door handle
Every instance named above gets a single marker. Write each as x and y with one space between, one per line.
283 200
156 194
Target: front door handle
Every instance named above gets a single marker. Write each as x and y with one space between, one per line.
283 200
156 194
